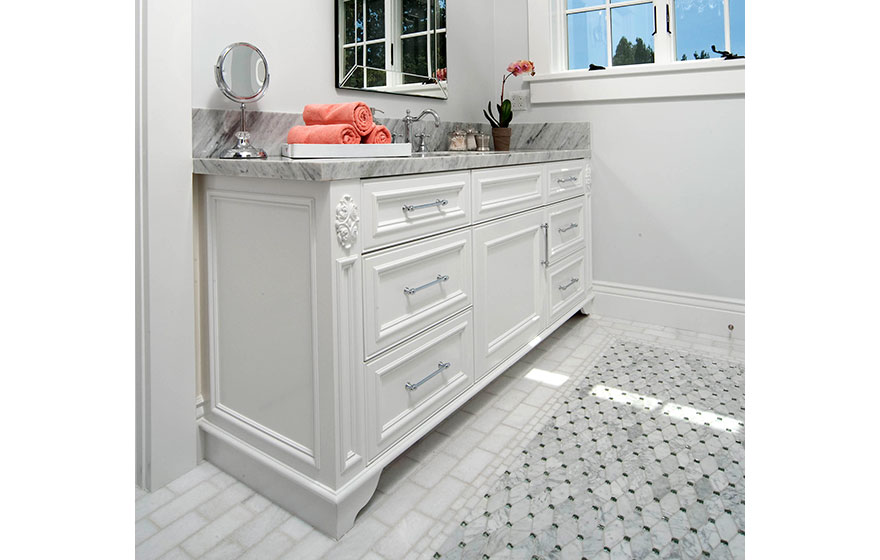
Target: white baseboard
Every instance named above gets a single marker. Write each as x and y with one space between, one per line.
681 310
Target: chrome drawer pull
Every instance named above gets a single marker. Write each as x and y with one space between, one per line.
570 284
440 278
438 202
568 227
567 180
546 228
440 367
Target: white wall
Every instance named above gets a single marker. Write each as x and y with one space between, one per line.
166 430
668 180
297 38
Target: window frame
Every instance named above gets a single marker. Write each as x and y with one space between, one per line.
666 77
393 41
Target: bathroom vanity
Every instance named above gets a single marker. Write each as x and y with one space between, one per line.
349 306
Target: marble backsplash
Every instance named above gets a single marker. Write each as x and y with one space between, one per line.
214 130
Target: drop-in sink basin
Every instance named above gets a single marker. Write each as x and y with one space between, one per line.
450 153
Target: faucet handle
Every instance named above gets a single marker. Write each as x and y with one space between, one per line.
422 146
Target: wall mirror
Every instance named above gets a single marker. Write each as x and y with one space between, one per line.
242 74
392 46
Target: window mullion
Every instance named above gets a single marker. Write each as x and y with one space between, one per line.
608 39
664 45
428 21
558 28
727 25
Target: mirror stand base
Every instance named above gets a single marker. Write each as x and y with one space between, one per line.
243 149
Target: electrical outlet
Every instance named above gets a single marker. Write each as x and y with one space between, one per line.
519 100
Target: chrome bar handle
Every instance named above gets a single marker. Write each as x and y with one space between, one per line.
568 227
438 202
440 367
440 278
570 284
567 180
546 228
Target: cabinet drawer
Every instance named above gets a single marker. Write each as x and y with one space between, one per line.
565 179
567 282
408 207
412 382
506 190
409 288
567 227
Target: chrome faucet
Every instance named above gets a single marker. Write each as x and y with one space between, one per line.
408 120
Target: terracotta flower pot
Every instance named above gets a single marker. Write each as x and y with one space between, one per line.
501 137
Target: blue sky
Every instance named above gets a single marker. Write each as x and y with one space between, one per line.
699 23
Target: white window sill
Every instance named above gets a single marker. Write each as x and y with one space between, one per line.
644 81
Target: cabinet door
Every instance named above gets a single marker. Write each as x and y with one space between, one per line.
509 282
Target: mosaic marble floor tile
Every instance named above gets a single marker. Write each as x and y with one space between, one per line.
644 458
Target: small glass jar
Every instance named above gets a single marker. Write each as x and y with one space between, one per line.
471 139
457 140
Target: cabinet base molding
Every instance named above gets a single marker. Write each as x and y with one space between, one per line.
331 512
681 310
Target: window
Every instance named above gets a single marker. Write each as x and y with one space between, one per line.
611 33
391 42
643 60
420 41
364 42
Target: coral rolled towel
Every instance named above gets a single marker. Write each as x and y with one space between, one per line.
324 134
355 113
379 135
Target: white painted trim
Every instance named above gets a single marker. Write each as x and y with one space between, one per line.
682 310
166 435
648 81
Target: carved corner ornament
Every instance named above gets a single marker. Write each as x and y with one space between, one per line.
347 219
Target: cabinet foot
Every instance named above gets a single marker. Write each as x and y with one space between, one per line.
330 512
587 309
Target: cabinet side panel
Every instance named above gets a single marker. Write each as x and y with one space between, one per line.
262 279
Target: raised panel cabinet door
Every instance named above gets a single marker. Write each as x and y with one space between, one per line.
509 281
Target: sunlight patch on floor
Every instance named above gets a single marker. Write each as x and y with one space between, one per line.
547 377
680 412
703 417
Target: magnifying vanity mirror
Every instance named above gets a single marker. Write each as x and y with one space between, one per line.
242 75
392 46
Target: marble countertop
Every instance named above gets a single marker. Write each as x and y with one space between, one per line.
277 167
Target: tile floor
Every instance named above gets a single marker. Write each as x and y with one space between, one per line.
423 495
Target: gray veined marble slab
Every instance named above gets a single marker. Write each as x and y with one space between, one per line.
337 169
214 129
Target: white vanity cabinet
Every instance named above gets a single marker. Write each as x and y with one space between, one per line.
342 320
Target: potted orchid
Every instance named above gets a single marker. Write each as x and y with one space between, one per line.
500 125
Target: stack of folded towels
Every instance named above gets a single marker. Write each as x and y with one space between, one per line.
339 123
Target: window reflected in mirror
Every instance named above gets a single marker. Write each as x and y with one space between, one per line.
392 46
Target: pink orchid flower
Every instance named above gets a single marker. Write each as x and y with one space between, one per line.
521 66
515 69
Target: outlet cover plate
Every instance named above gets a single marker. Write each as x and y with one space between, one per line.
519 100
